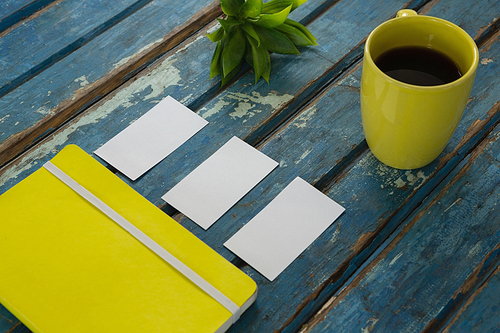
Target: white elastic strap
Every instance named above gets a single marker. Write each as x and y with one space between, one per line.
151 244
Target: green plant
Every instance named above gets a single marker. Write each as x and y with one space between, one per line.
252 29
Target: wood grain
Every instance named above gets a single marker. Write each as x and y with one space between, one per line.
481 311
55 103
435 258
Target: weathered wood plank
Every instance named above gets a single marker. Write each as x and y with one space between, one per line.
448 10
89 73
35 41
445 243
466 292
13 12
9 7
481 312
7 320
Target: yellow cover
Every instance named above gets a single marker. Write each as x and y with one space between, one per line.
67 267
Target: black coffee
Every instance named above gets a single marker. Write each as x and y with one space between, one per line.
419 66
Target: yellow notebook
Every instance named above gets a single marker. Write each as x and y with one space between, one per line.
67 267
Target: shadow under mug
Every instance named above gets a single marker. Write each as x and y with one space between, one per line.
407 126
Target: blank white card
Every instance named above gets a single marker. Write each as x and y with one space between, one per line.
279 233
151 138
219 182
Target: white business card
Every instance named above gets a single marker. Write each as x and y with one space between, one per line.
219 182
151 138
279 233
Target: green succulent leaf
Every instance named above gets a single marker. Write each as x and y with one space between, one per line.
216 35
225 79
252 30
295 35
248 28
275 6
302 29
267 72
273 20
233 51
231 7
228 24
260 58
251 8
276 41
248 54
215 64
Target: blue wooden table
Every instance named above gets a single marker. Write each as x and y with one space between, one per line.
415 250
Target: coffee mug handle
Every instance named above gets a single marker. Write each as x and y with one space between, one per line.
406 12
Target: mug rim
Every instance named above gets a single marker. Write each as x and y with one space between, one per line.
470 71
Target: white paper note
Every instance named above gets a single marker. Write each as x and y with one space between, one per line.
279 233
151 138
219 182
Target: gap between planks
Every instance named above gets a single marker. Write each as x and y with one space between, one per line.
27 13
471 299
465 295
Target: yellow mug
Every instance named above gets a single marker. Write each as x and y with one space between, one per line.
407 126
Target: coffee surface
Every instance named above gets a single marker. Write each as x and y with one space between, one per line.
418 66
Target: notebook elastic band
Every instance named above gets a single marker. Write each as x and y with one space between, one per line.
151 244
